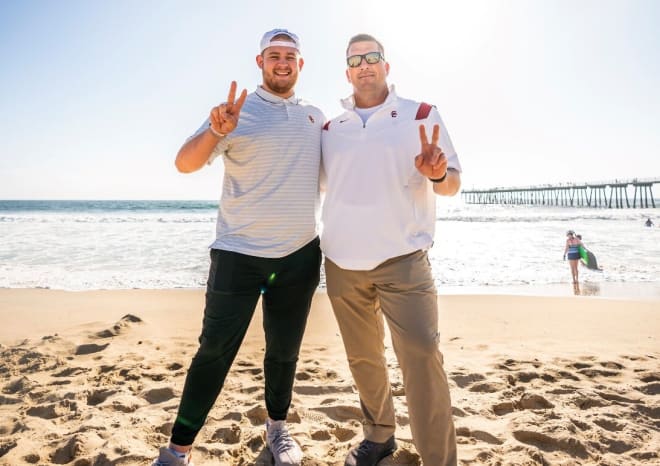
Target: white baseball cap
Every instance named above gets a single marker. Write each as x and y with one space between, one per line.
267 40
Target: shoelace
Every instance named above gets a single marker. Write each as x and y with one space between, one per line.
281 440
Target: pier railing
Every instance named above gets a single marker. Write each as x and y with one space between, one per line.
608 194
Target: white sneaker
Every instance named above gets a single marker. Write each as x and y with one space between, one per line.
167 458
284 448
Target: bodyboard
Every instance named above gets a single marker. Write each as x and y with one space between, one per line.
584 256
588 258
592 263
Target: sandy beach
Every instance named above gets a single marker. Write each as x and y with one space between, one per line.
93 378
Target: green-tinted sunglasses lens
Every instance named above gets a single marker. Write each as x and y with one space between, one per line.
354 61
372 57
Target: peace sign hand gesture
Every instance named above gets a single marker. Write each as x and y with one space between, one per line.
224 117
431 161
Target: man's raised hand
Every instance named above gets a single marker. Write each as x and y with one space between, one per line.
224 117
431 161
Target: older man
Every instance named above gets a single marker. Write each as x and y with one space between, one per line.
378 221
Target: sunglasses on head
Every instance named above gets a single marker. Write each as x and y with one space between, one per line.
371 58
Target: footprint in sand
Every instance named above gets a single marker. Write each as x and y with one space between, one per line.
232 416
593 373
652 388
331 432
51 411
9 400
165 429
580 365
464 380
563 390
77 448
316 373
589 402
321 389
526 401
250 370
99 396
32 458
545 442
19 386
26 361
251 389
609 424
90 348
487 387
6 447
612 365
320 435
618 399
649 377
531 401
229 435
71 372
580 424
341 413
123 403
479 435
120 326
10 426
257 415
159 395
342 434
312 416
561 374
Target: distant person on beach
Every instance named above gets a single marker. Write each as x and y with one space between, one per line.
266 244
572 252
649 222
381 176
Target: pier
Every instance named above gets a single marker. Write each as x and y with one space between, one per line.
609 194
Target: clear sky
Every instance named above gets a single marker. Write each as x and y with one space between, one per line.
96 97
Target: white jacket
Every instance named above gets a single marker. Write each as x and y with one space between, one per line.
377 205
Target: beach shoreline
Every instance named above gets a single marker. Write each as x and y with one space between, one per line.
94 377
587 288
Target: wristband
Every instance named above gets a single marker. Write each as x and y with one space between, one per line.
216 133
439 180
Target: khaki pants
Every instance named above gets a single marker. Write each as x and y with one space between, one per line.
402 290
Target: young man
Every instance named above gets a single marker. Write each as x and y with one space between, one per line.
382 174
266 244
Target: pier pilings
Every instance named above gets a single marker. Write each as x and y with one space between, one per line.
611 194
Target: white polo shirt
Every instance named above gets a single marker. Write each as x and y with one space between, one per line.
377 205
270 193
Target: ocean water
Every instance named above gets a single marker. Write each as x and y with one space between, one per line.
90 245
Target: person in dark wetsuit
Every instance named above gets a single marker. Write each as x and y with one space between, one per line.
572 253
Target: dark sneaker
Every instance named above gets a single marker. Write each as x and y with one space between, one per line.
167 458
369 453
